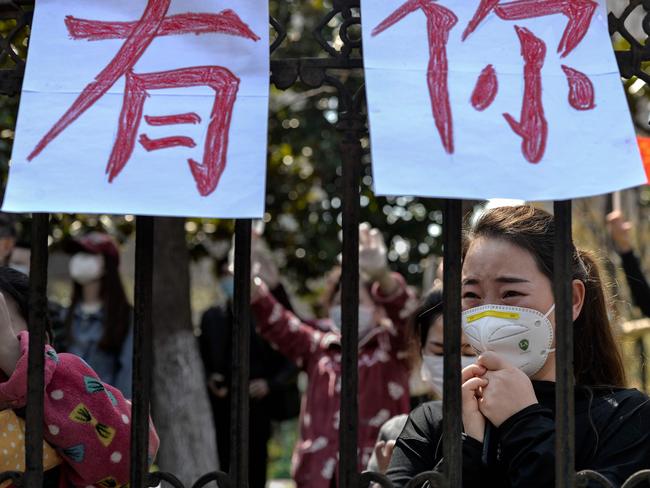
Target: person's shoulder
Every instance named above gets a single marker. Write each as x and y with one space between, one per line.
393 426
428 414
634 398
623 401
216 313
631 395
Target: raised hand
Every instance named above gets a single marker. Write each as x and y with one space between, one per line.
372 252
473 383
620 229
383 453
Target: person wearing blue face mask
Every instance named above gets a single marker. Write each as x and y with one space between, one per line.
509 318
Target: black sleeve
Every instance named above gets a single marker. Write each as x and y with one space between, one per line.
623 447
284 375
637 282
528 447
417 449
528 444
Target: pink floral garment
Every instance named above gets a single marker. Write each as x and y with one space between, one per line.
88 422
383 380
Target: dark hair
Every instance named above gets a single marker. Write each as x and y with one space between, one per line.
116 308
15 285
597 359
431 307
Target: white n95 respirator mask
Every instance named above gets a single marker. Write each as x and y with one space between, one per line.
521 336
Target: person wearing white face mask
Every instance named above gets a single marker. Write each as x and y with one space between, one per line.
97 325
507 298
428 330
383 371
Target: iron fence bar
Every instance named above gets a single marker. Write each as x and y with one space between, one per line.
564 386
36 359
142 350
239 406
452 442
351 153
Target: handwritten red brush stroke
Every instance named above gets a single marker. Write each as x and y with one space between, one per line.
579 12
440 22
225 84
225 22
483 10
581 89
141 36
486 89
532 128
165 142
158 120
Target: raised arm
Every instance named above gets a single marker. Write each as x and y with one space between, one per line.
620 230
286 332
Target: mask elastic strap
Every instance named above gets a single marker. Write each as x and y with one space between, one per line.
550 311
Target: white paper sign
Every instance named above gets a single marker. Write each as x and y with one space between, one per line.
150 107
480 99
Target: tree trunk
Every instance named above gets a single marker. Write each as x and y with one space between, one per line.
180 405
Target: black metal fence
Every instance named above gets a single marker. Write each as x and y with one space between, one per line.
312 72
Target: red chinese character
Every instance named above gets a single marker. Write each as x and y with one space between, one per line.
532 126
139 35
440 22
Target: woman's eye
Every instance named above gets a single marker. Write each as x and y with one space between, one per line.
470 294
512 293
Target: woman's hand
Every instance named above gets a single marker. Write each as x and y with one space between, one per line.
473 383
383 453
509 390
258 389
9 344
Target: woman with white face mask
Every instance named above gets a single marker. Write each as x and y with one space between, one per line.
507 298
428 331
316 348
98 321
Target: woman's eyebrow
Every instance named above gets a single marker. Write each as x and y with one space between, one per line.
500 279
511 279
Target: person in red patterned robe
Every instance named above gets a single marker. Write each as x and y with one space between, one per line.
385 303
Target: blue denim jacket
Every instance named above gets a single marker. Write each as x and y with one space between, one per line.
114 369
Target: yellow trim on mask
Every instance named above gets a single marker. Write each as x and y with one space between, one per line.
493 313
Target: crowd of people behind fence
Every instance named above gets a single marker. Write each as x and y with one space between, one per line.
507 352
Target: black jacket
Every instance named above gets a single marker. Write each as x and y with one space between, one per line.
638 284
612 428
